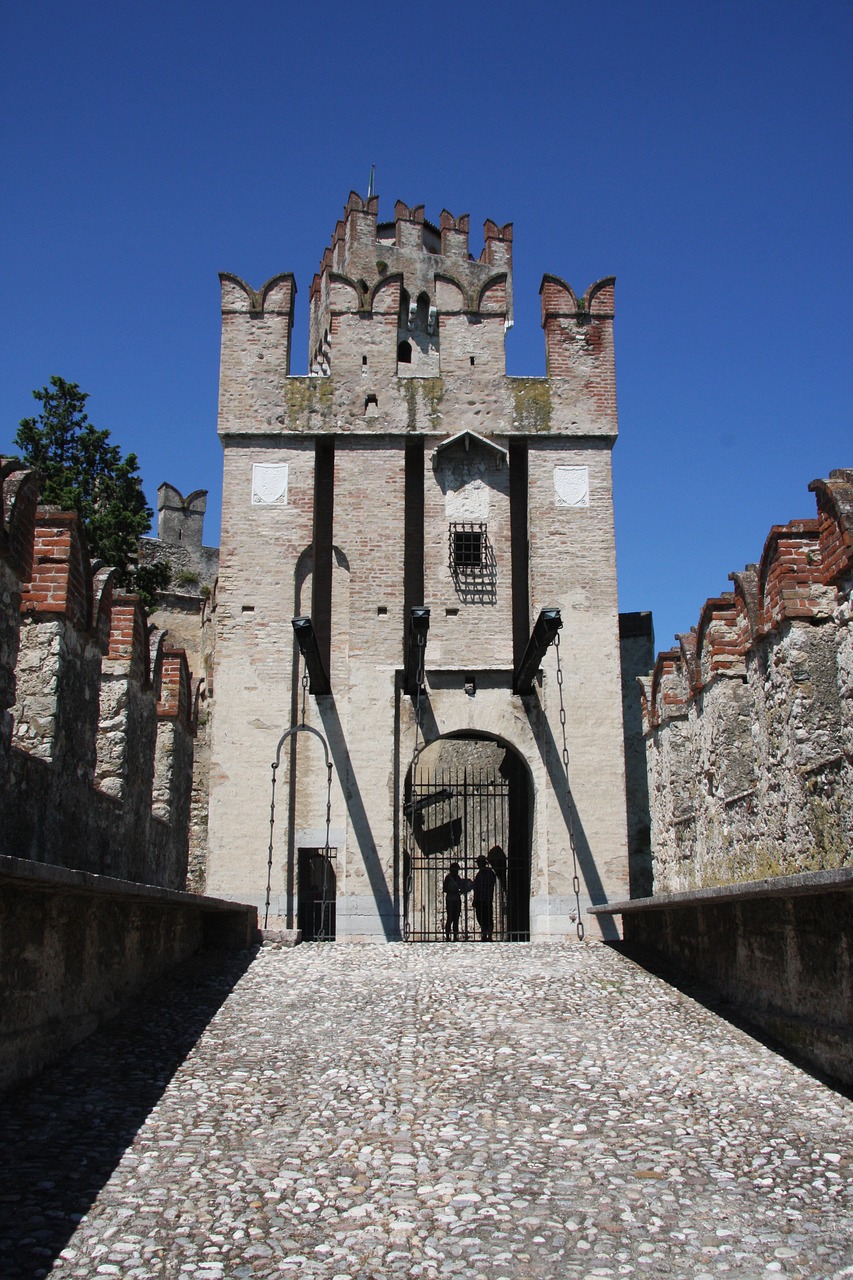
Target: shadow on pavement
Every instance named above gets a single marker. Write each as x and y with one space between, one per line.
716 1003
63 1132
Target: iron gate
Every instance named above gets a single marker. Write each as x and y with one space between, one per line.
454 815
315 912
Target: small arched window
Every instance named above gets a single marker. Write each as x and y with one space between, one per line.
404 353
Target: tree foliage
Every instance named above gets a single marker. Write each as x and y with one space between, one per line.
80 470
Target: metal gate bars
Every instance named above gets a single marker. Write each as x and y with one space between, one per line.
453 816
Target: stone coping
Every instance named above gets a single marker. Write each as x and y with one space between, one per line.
45 876
808 882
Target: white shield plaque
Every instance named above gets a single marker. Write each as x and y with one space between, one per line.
571 486
269 484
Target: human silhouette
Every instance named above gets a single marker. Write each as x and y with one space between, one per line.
497 861
454 886
484 896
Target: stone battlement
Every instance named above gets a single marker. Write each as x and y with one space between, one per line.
749 719
96 746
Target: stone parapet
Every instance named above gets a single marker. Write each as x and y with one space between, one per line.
92 943
777 949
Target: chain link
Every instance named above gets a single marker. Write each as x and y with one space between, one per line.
576 884
304 692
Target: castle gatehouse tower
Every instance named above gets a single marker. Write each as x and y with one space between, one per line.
416 611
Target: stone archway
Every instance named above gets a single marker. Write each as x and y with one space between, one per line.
468 795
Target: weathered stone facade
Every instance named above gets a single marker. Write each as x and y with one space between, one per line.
750 720
185 612
406 470
96 748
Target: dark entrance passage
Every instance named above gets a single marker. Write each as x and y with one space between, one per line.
315 910
469 797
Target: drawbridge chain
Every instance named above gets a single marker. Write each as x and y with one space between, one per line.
576 884
420 676
303 728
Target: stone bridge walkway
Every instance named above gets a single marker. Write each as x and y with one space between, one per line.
480 1112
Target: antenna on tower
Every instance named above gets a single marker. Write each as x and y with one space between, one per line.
371 186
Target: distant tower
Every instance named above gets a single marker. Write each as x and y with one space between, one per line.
408 472
180 519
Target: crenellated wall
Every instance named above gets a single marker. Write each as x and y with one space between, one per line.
18 499
749 721
96 749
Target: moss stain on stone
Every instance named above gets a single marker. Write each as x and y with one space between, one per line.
532 405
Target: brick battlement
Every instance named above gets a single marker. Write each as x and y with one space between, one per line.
406 301
749 723
801 565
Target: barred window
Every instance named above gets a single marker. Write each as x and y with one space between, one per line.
466 547
471 561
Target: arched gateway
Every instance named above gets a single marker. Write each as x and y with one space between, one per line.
467 797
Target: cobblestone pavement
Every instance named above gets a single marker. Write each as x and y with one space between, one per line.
498 1113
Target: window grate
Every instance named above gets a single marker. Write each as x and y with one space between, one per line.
471 562
467 549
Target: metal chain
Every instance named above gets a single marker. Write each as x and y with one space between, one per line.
304 692
576 884
269 857
325 901
419 679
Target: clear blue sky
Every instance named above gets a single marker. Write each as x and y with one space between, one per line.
699 151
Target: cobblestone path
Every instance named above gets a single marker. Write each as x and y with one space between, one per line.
485 1112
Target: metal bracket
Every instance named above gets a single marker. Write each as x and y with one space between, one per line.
306 638
416 649
544 633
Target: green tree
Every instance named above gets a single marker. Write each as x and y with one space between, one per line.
79 470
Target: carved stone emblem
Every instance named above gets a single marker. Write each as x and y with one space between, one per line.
269 484
571 486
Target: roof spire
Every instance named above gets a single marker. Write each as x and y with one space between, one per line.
371 186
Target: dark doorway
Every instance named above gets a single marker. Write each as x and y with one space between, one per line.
467 797
315 911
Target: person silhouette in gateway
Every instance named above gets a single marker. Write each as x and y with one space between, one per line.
484 897
454 886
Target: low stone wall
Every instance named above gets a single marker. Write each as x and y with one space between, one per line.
76 947
779 950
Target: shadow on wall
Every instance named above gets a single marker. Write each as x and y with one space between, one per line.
552 760
64 1132
359 821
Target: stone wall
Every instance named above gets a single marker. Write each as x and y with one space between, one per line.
18 499
775 951
186 612
749 721
96 755
75 948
